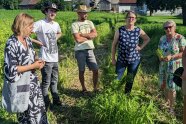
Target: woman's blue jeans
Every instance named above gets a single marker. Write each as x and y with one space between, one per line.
131 73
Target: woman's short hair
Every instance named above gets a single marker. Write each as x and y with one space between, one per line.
21 21
169 22
129 12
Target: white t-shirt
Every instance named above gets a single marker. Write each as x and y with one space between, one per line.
47 33
83 27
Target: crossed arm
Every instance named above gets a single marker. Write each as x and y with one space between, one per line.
79 37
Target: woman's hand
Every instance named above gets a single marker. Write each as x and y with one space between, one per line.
138 48
42 65
167 58
39 64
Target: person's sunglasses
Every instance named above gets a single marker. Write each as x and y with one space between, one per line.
168 27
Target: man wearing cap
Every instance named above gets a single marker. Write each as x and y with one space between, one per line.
84 32
48 32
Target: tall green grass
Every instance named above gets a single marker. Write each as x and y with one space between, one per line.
111 105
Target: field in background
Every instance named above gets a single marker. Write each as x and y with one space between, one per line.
144 105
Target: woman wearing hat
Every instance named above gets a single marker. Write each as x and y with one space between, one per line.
84 32
172 45
48 32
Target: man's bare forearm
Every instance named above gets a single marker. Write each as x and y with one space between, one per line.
89 36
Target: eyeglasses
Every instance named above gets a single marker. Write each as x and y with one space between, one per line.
131 17
168 27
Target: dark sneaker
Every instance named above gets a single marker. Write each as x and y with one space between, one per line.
47 102
57 102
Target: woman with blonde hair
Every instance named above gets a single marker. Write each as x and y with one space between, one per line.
19 59
172 46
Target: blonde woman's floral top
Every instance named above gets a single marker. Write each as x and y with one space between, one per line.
166 69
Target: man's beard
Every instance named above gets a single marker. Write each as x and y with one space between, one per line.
83 18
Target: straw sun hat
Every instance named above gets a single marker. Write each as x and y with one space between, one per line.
83 8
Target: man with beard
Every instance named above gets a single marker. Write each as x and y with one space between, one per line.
84 32
48 32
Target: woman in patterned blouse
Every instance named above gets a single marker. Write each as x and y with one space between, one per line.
127 39
172 45
19 58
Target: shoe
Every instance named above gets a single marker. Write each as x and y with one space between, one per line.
47 102
57 103
84 91
56 100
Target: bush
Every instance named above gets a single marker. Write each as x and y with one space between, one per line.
103 30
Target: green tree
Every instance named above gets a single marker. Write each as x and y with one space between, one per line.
62 5
153 5
9 4
173 4
1 4
165 4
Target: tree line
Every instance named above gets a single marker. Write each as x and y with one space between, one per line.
154 5
62 5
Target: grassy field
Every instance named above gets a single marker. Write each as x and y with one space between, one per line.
110 106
